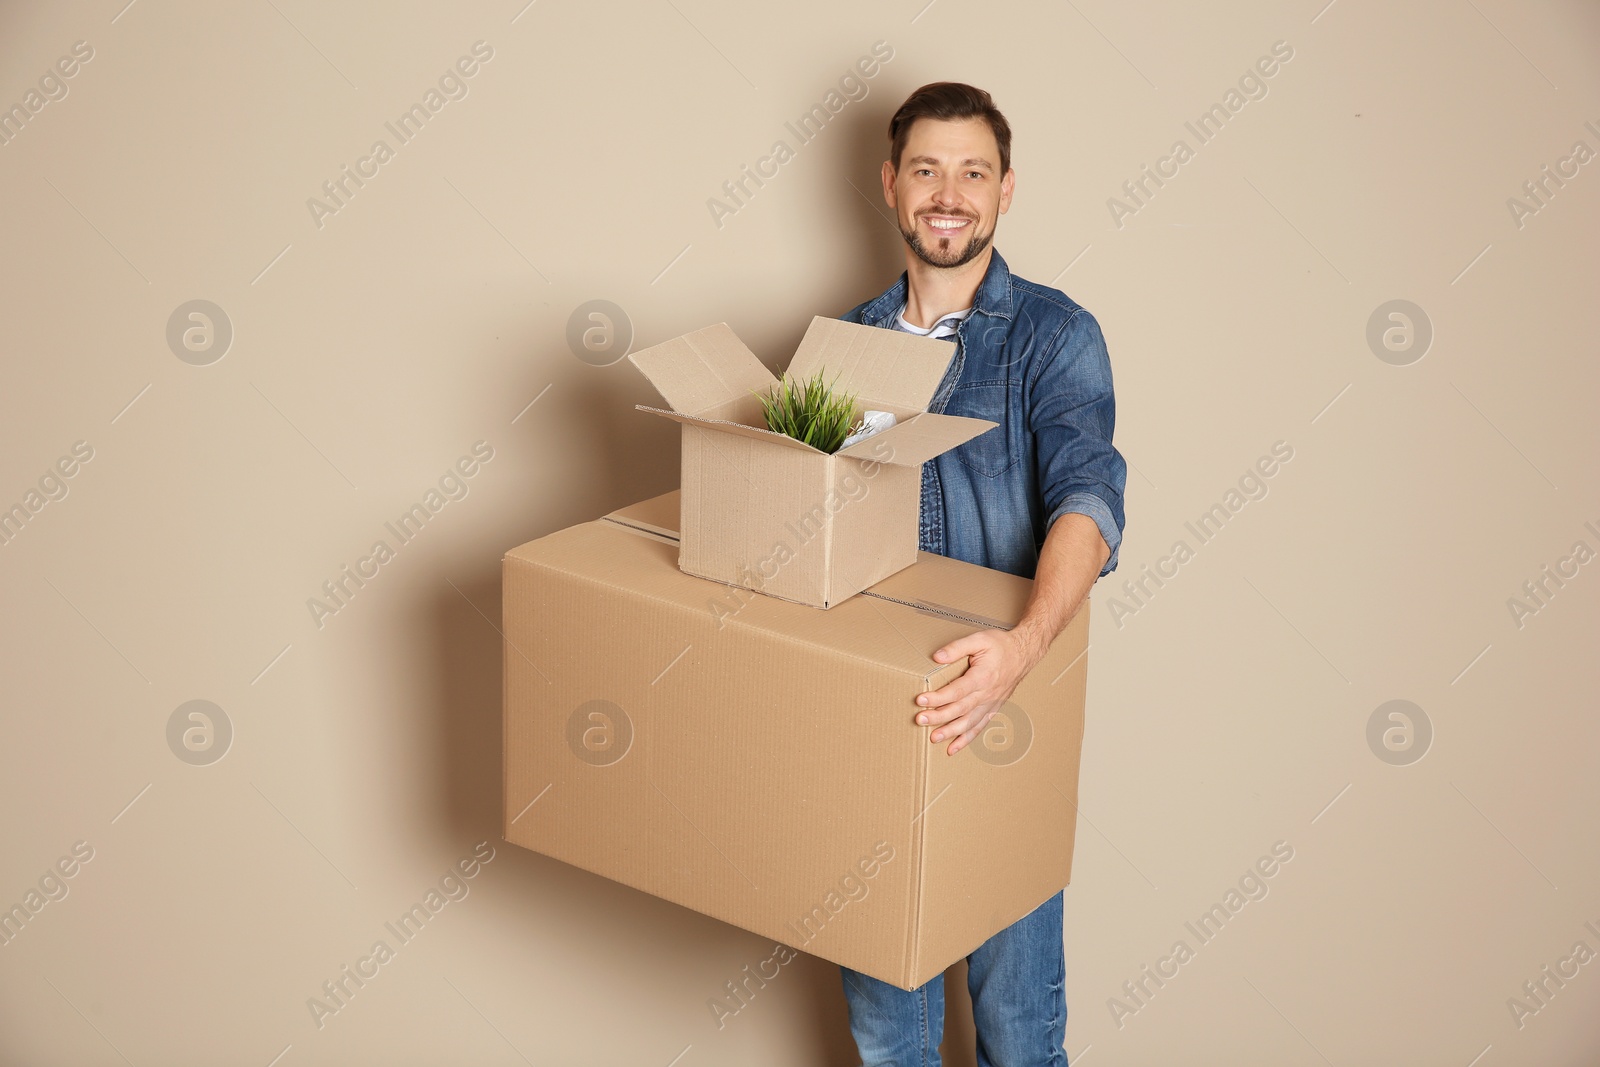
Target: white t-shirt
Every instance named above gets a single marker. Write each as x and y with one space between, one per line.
945 327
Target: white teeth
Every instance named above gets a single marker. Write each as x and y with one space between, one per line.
946 224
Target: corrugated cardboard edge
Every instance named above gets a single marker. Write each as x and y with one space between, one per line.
663 512
653 532
934 679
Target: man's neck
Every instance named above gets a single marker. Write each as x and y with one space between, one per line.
934 292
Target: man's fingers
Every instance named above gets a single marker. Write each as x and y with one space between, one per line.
955 690
962 646
943 715
971 735
971 711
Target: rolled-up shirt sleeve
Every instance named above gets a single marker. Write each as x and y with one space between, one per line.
1072 412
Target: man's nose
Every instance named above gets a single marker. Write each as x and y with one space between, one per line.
946 194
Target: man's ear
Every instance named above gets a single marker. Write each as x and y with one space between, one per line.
888 183
1008 185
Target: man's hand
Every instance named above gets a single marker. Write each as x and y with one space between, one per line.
998 660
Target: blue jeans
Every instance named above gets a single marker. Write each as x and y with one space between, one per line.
1017 979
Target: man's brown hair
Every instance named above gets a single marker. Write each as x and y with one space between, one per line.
949 102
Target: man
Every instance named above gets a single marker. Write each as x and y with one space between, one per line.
1039 495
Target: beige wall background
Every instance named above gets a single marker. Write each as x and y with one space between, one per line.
370 348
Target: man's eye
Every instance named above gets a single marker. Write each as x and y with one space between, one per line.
974 173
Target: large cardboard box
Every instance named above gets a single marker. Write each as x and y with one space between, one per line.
758 760
768 512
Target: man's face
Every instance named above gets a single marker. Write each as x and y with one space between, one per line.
948 193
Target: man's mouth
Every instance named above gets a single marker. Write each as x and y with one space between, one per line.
946 224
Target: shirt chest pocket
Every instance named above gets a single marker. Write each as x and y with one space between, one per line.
990 453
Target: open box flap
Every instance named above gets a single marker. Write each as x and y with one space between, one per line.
918 439
881 367
703 370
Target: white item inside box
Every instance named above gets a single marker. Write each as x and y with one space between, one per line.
871 422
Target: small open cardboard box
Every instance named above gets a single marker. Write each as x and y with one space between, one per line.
763 766
767 512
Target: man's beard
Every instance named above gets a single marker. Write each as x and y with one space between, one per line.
937 257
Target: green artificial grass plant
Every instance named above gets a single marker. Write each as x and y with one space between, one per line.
809 411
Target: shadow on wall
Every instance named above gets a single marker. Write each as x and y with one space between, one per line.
594 423
878 253
872 259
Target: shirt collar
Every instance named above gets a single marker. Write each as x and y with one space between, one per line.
992 298
948 323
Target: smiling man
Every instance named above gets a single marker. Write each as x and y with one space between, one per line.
1039 495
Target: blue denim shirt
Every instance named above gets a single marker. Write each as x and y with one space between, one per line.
1033 361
